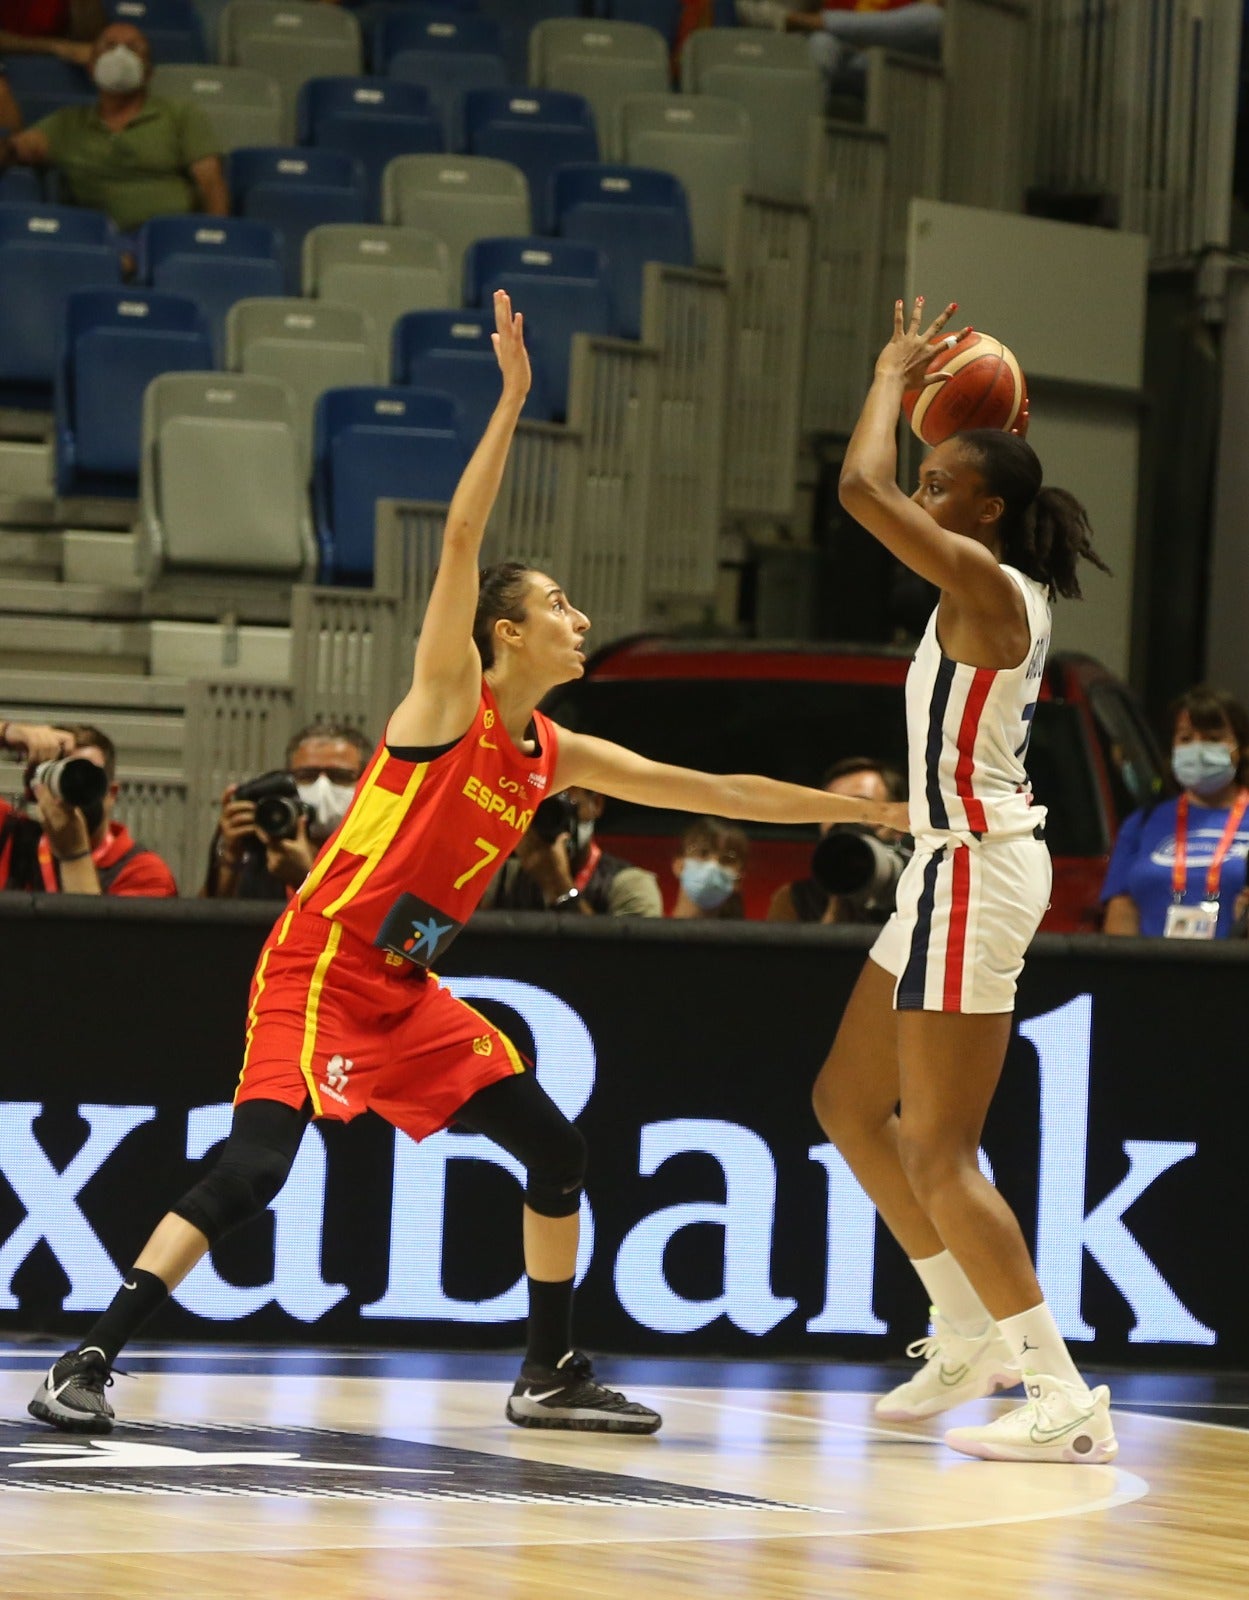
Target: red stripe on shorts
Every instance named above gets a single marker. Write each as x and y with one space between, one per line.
981 683
956 942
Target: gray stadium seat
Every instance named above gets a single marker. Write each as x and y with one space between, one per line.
291 42
244 107
604 61
703 140
221 487
310 345
459 198
385 271
774 79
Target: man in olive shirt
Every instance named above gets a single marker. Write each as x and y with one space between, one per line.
131 154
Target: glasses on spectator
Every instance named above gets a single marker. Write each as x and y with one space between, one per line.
346 775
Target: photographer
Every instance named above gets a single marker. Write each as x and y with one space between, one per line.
849 884
271 828
75 846
559 865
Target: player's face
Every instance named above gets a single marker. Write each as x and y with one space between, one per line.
554 629
952 491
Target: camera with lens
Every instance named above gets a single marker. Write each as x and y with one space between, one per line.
74 781
278 806
862 870
554 816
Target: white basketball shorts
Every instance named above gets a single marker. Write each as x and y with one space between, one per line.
966 913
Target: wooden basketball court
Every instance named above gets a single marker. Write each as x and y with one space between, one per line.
315 1474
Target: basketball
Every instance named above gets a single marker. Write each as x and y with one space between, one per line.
981 386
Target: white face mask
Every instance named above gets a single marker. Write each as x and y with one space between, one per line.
328 800
581 836
119 70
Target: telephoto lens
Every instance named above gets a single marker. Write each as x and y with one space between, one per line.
73 780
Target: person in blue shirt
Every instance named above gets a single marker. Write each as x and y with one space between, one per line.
1178 868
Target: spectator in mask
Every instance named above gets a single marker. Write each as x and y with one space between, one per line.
572 871
709 870
1178 868
325 760
132 154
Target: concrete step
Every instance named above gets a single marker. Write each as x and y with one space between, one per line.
220 650
56 599
146 741
108 558
25 470
61 644
30 554
104 693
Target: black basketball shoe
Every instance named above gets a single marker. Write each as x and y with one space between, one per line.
568 1396
71 1397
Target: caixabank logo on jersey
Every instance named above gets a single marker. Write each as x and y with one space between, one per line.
763 1205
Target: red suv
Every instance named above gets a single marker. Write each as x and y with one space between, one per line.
791 710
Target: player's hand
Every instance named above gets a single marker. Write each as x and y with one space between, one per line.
909 351
508 340
290 860
65 825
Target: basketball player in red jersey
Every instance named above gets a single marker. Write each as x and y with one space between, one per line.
345 1014
917 1058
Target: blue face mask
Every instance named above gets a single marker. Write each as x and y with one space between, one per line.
1203 766
707 883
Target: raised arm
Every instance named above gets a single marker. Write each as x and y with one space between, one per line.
446 674
592 763
868 486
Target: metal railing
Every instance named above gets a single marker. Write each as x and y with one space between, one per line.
344 656
233 730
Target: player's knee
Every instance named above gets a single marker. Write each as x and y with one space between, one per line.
930 1159
557 1173
244 1180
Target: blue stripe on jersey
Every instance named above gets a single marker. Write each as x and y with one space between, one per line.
938 816
911 984
1029 711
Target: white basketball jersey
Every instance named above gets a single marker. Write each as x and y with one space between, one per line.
968 730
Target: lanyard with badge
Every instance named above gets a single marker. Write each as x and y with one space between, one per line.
1199 921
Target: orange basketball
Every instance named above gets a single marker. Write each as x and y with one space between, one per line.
981 386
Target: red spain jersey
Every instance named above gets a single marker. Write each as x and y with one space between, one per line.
407 865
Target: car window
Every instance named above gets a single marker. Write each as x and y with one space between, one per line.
1128 749
795 731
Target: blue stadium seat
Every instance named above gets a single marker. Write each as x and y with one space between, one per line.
633 215
441 29
43 84
295 189
174 28
215 260
371 444
536 130
663 15
115 342
372 119
447 53
46 252
451 351
558 284
516 18
20 184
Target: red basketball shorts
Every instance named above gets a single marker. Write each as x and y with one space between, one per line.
333 1020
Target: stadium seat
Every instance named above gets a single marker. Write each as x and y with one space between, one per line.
774 79
46 252
380 270
451 351
536 130
460 198
20 184
244 107
439 29
559 285
174 28
222 487
372 444
115 342
604 61
705 142
296 189
372 119
444 52
310 345
516 18
633 215
662 15
215 260
43 84
292 41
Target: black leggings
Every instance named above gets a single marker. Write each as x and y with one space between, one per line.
517 1113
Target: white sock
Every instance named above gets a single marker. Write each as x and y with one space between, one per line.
1037 1345
952 1295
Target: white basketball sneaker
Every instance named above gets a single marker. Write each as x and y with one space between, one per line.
1059 1422
956 1369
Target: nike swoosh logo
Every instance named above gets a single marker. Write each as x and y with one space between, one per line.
130 1285
1048 1435
55 1391
545 1395
487 744
952 1375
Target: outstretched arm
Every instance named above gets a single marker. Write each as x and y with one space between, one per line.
446 674
592 763
869 490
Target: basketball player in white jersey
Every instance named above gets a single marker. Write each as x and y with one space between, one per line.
917 1058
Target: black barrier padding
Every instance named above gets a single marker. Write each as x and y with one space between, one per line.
108 1004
